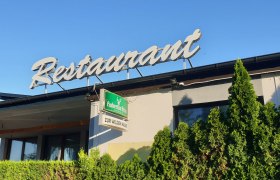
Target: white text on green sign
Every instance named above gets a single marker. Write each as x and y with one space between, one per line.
115 104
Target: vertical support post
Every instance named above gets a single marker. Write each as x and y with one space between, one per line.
40 147
83 139
4 149
127 74
87 81
46 90
184 64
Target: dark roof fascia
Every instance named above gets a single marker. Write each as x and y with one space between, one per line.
253 63
7 96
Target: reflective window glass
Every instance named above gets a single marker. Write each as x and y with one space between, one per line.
191 115
53 148
63 147
30 149
16 150
71 147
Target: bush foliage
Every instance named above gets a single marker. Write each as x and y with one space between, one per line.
11 170
244 143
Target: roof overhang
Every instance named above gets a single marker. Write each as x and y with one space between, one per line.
44 116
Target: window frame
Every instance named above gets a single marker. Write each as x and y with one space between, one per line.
62 138
23 140
201 105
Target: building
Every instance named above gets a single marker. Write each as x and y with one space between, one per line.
56 125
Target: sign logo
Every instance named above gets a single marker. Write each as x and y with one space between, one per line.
113 110
115 104
119 101
48 72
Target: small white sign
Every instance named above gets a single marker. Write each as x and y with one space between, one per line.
115 122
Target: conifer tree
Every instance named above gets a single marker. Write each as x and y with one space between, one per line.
199 149
106 168
243 105
132 169
209 142
243 113
182 157
267 148
159 161
216 134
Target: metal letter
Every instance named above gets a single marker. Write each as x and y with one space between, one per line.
147 55
132 57
44 66
81 71
189 41
58 74
70 72
93 66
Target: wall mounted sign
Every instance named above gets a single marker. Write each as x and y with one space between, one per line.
113 110
115 104
112 121
49 73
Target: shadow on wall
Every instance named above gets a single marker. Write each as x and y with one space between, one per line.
185 100
100 134
143 153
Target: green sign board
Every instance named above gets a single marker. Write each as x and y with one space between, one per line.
115 104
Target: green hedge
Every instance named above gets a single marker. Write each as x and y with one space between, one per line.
38 170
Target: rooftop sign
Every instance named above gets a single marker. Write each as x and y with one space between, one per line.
49 73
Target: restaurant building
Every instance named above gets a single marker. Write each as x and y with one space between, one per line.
55 126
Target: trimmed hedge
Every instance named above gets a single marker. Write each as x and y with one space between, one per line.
38 170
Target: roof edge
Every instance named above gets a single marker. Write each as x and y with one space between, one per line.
252 63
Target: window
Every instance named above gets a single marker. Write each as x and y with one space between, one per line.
16 150
30 150
193 112
23 149
53 148
191 115
62 147
71 147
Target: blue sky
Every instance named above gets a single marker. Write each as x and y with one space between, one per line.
69 30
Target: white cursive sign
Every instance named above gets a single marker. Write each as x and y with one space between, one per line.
49 73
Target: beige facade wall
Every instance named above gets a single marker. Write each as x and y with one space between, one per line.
147 114
210 93
271 87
